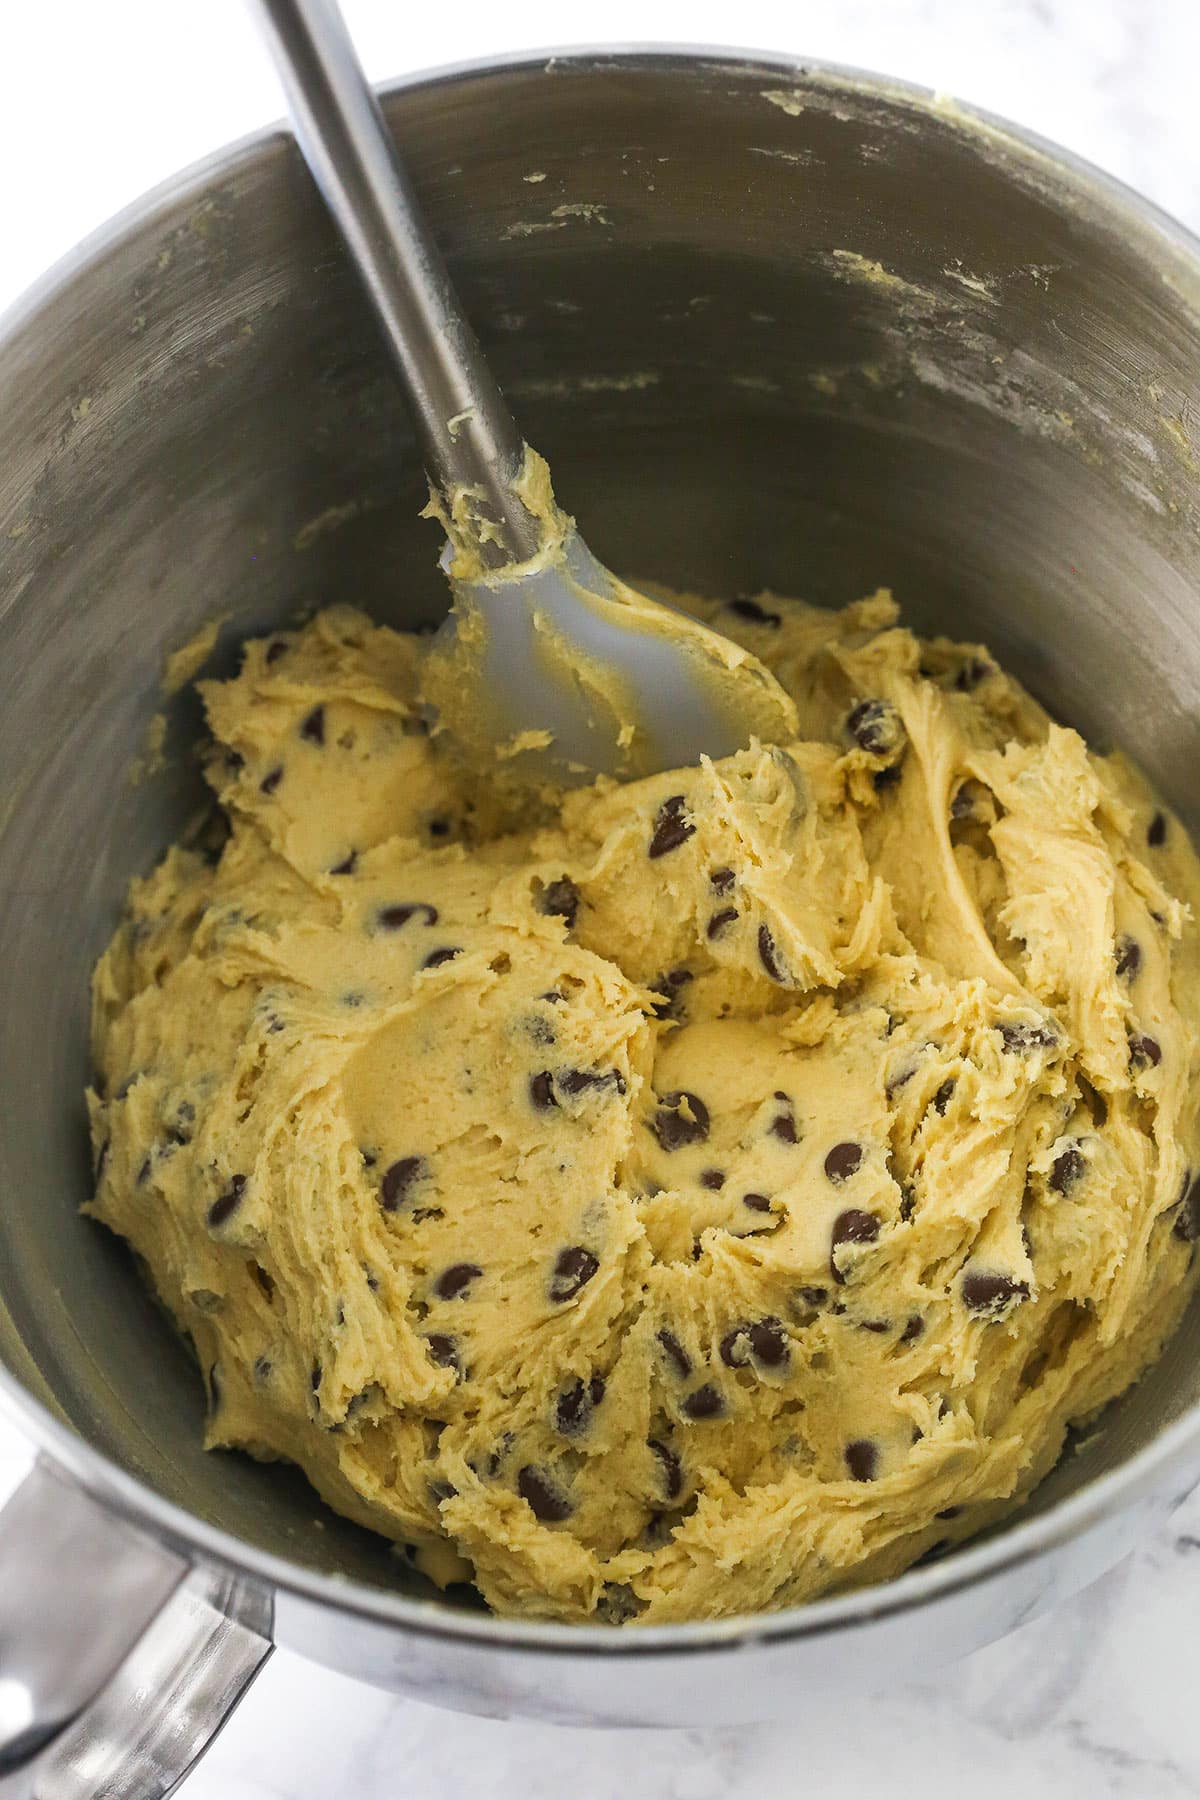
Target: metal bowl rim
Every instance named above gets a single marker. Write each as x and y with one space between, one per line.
1141 221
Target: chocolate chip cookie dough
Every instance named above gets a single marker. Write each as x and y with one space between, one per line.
719 1192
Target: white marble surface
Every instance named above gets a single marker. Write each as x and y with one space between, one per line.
98 102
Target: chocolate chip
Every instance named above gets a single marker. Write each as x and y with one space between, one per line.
704 1403
445 954
875 726
443 1350
543 1494
1021 1035
754 614
813 1296
575 1405
713 1179
672 1468
675 1352
1156 831
1129 956
454 1281
673 1127
913 1329
578 1081
783 1126
879 1326
271 781
397 1181
843 1161
768 956
760 1203
989 1291
347 865
438 828
862 1459
669 986
851 1227
963 804
1187 1220
541 1090
313 727
1144 1051
971 674
1066 1169
769 1342
275 650
720 922
227 1205
396 916
671 828
721 881
573 1269
941 1099
560 899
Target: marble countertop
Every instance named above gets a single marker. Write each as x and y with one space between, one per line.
1097 1698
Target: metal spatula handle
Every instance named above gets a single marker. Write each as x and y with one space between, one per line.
467 434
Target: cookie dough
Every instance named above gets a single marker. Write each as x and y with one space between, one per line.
724 1190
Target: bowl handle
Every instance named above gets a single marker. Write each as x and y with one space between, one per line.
95 1617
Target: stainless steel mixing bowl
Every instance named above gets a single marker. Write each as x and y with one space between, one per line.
774 326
